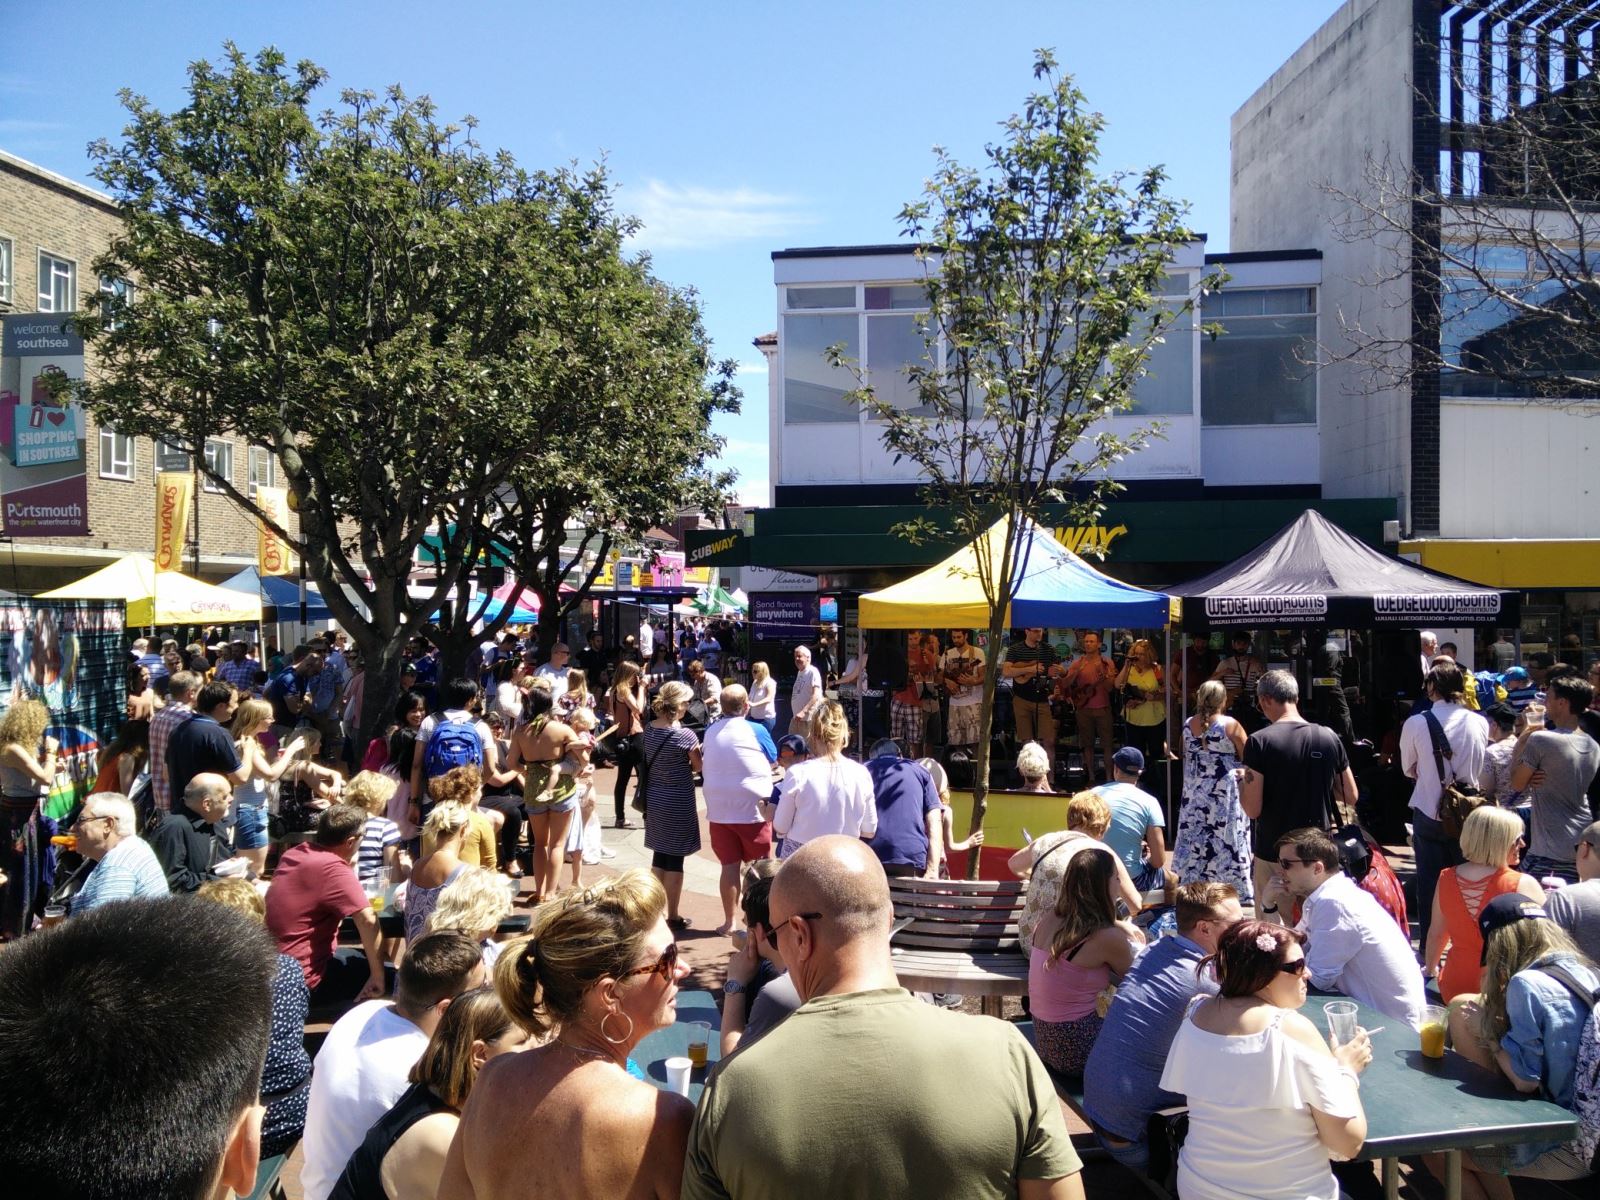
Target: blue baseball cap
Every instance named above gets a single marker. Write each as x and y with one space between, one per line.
793 743
1128 759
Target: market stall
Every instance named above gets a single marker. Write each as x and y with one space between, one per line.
161 597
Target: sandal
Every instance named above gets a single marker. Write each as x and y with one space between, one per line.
677 922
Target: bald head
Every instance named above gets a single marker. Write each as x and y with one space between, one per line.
208 795
840 878
734 700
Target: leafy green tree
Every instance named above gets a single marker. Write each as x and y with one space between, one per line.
368 293
1044 288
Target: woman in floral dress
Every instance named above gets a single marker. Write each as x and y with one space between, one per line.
1213 832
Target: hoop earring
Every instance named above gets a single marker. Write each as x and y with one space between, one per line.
618 1040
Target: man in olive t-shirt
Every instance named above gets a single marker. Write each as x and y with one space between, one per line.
865 1091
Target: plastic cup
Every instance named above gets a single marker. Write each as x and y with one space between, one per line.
678 1075
54 914
1435 1022
1341 1016
699 1042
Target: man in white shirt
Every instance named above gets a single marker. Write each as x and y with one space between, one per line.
556 669
737 756
963 675
361 1069
1352 945
1467 734
807 695
647 640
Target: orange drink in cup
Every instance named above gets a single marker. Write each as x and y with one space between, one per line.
1435 1021
699 1043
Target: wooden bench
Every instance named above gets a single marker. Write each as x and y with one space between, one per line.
960 937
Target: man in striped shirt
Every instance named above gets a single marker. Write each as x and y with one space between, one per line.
180 707
126 868
240 668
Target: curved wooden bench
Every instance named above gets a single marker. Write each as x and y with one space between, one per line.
959 936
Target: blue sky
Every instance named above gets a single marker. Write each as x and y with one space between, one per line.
734 129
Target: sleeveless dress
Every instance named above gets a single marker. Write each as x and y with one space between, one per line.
363 1174
1213 832
1065 1017
421 901
1460 902
22 849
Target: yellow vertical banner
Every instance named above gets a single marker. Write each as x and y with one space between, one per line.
273 556
174 494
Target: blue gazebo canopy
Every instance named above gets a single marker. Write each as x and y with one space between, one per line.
280 597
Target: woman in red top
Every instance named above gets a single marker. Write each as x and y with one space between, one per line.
1491 840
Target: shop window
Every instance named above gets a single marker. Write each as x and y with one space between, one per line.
1258 369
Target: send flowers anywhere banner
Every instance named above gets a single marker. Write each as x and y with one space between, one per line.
42 469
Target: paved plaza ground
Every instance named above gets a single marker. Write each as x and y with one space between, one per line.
706 954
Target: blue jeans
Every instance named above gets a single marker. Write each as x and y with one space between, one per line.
250 827
1133 1155
1539 866
1434 852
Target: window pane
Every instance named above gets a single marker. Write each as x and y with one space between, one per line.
1250 373
1168 388
1509 348
893 344
170 458
1289 300
822 297
812 390
908 295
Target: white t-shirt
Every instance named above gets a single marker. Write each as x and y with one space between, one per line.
967 693
1251 1132
806 685
738 775
431 722
822 796
762 696
647 640
358 1075
1466 733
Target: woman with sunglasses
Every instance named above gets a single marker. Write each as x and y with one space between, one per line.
1268 1101
598 973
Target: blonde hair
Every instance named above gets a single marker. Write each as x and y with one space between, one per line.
371 791
1032 762
583 720
1088 812
237 894
759 671
443 823
672 696
577 940
1507 950
1147 654
1209 700
577 680
475 902
829 732
24 724
941 778
1489 834
253 716
446 1063
458 785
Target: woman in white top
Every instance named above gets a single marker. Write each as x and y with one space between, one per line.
828 793
763 696
1268 1102
250 798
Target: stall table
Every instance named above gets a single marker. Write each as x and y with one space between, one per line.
673 1042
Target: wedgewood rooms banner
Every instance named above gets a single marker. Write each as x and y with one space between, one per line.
42 479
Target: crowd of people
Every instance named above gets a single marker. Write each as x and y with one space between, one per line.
236 827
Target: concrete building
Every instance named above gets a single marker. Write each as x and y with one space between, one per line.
1493 481
51 231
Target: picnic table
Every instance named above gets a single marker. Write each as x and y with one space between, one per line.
959 936
673 1042
1421 1105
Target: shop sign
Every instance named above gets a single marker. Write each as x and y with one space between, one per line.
1092 540
1248 609
1436 607
42 474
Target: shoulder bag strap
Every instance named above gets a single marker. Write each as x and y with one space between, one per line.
1441 746
1569 981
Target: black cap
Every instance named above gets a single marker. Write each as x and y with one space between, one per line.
1506 910
792 742
1502 714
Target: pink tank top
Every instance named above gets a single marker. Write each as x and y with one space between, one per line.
1062 990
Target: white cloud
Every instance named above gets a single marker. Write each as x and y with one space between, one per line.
749 458
677 218
751 368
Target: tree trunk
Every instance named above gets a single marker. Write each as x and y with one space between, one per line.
381 659
980 765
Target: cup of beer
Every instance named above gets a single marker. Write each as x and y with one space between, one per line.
54 914
1435 1021
699 1044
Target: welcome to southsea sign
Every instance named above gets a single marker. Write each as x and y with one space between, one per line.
44 490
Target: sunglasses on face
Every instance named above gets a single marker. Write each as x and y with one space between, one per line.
1297 967
1285 863
663 966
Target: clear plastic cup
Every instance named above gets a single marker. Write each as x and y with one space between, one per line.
1435 1025
1341 1016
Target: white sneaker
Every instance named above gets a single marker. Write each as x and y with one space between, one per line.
590 860
607 852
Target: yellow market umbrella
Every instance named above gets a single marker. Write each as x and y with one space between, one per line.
161 598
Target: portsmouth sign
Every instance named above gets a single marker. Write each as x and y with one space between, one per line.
42 476
1267 610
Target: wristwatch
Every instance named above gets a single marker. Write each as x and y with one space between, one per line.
732 988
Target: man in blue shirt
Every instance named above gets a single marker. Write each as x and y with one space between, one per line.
1136 822
201 745
910 835
125 866
1122 1079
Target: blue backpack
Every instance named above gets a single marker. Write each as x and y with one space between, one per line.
452 744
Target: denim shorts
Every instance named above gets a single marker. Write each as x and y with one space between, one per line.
250 828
